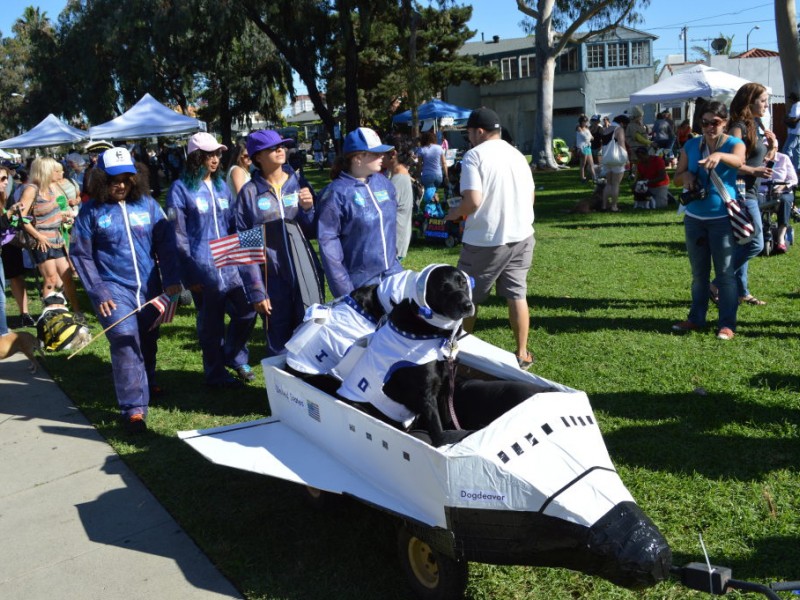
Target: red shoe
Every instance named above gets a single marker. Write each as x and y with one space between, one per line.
779 249
686 326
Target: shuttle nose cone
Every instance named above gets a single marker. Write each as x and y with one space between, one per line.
631 550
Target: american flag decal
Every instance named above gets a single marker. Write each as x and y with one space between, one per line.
313 410
243 248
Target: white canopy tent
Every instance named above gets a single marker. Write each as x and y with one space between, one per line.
697 81
147 118
50 132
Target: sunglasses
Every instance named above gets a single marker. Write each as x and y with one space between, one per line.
216 153
714 123
4 178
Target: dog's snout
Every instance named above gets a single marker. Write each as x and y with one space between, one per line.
468 308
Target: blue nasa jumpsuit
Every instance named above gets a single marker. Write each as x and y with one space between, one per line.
199 217
357 232
118 250
259 203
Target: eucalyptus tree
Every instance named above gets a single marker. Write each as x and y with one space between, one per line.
565 17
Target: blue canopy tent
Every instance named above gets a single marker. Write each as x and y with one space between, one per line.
435 109
50 132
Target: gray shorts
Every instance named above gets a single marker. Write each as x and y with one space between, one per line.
506 265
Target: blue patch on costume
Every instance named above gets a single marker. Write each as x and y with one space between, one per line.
381 196
224 204
202 204
359 199
139 219
264 203
290 200
104 221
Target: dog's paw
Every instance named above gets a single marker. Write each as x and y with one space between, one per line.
452 437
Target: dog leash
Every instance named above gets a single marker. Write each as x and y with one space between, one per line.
452 349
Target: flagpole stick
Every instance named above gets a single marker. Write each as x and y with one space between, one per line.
114 324
264 248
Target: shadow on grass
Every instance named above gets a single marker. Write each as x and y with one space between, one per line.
574 224
706 434
347 551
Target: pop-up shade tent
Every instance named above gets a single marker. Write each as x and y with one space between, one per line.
699 81
435 109
147 118
50 132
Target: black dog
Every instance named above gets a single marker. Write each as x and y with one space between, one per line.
431 320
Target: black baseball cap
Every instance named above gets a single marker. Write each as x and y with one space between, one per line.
483 118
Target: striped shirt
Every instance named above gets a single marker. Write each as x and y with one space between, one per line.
48 218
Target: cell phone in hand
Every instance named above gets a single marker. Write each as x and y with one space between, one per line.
770 164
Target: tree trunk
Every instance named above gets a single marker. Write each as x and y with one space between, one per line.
786 29
225 117
352 112
545 78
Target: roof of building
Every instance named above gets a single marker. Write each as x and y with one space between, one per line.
757 53
308 116
498 45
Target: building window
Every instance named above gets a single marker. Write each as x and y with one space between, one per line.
509 67
618 55
527 65
595 56
568 61
640 53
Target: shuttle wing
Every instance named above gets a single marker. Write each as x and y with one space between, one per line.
268 447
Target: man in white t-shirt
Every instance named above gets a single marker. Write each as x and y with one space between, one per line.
497 195
792 146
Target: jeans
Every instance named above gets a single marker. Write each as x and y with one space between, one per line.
792 149
3 322
706 241
430 183
747 251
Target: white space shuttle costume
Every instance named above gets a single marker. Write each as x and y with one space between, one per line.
330 329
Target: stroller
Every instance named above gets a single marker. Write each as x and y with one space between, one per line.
429 223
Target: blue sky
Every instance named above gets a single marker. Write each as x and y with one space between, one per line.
663 18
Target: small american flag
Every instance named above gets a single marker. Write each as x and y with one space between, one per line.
243 248
166 310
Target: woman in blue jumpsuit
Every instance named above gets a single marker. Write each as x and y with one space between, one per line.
357 227
123 248
275 197
198 205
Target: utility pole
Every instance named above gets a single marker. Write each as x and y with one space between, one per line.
685 36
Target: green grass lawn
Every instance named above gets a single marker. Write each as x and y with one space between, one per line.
704 433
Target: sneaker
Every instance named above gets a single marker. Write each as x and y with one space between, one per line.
245 373
780 249
725 334
27 320
685 326
134 424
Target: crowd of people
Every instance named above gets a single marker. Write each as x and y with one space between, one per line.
128 251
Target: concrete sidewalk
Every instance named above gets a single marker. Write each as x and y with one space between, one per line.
75 522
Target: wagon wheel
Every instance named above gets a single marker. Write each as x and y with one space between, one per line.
450 241
431 574
767 247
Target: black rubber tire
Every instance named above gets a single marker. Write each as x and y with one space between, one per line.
450 241
431 575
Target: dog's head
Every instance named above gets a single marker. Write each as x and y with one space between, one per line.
443 294
54 299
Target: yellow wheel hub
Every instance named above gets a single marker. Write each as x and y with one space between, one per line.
423 563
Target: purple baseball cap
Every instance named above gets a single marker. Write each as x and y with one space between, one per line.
263 139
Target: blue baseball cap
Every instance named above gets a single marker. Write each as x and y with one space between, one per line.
116 161
263 139
364 139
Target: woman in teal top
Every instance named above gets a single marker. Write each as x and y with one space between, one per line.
709 236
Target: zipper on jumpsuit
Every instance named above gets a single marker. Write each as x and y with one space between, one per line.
380 218
123 206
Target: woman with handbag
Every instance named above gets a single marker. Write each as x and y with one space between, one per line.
614 158
38 200
708 167
747 108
